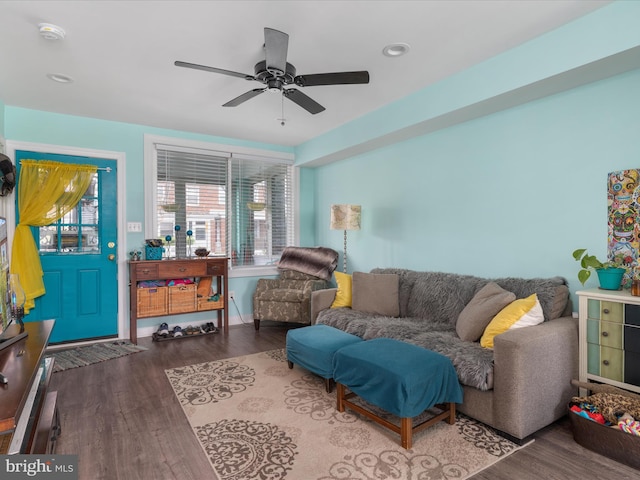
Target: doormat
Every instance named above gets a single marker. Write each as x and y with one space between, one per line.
90 354
256 418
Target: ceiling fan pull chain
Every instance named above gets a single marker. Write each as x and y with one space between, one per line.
282 119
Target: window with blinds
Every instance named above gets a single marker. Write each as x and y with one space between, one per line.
262 210
236 205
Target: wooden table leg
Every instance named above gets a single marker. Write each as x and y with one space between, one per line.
340 397
406 429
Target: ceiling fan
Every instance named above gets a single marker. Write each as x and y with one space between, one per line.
276 73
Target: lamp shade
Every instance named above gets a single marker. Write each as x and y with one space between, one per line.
345 217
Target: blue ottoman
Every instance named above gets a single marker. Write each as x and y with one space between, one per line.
313 348
400 378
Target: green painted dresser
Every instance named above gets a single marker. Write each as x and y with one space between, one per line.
610 338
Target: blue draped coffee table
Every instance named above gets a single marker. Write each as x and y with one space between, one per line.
400 378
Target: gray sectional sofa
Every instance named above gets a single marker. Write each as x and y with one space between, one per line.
519 386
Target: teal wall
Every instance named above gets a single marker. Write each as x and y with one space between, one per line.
50 128
498 170
513 193
603 43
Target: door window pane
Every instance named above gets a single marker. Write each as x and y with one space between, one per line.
79 230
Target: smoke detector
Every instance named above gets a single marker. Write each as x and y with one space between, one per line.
51 32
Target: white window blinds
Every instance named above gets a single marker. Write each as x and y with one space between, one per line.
235 205
262 210
190 192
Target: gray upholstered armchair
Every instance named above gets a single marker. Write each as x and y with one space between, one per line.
288 298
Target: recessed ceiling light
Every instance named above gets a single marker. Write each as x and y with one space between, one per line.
396 49
50 31
59 77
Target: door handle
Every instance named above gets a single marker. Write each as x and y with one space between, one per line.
111 257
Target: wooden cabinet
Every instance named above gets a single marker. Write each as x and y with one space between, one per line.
160 301
29 420
610 338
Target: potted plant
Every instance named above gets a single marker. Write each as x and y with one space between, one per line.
609 274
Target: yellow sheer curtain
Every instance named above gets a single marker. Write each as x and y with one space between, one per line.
47 191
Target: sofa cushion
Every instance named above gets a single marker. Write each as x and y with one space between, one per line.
407 279
438 296
343 296
484 305
552 299
376 293
524 312
560 300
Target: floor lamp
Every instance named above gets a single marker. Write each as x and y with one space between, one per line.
345 217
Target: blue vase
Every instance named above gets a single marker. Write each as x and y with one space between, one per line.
610 278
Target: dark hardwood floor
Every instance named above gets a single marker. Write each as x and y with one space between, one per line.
124 422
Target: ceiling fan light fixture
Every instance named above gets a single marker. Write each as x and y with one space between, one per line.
396 49
49 31
274 86
60 77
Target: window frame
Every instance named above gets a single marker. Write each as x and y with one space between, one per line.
150 187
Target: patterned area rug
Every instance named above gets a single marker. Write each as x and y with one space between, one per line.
95 353
257 419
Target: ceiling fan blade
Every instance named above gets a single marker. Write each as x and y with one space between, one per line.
195 66
338 78
244 97
306 102
276 44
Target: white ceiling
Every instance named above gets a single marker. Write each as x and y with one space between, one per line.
121 54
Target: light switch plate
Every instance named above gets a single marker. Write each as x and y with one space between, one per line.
134 227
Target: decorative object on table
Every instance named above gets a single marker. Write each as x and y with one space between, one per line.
635 282
177 236
17 299
189 242
153 249
345 217
623 213
168 239
202 252
609 274
135 255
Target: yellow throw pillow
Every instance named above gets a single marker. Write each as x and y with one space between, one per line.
524 312
343 295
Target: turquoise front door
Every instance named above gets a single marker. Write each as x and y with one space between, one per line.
78 255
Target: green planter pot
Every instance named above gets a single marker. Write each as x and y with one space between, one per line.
610 278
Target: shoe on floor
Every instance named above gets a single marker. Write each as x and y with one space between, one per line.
177 331
163 330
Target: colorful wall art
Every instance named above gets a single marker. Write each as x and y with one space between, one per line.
623 199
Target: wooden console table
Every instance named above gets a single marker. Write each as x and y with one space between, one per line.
29 420
148 270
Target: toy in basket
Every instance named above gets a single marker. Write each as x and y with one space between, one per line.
616 441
